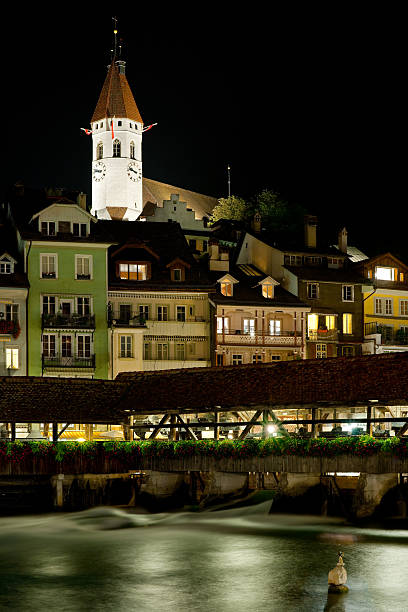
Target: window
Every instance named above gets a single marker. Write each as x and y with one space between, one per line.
162 313
226 289
99 151
176 274
116 148
180 313
378 306
132 150
293 260
48 228
180 351
257 358
267 291
48 266
144 312
125 346
12 358
249 327
84 346
11 312
133 271
348 293
401 277
347 323
347 351
64 227
162 351
222 325
66 346
321 351
312 322
237 359
404 307
275 357
84 305
125 312
313 261
79 229
83 267
220 359
49 345
313 291
275 327
193 244
119 124
6 266
333 262
387 274
48 304
147 350
388 306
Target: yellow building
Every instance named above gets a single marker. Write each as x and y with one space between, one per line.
385 304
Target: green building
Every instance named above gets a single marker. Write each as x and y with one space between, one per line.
66 264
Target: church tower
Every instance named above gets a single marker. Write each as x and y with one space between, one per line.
117 129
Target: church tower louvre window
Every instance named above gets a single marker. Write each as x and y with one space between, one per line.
117 167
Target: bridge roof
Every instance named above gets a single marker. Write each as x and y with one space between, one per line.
341 380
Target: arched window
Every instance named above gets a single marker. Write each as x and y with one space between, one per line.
116 148
99 151
132 150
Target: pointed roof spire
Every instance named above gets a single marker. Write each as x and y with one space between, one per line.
116 98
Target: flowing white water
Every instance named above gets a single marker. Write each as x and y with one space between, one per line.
234 560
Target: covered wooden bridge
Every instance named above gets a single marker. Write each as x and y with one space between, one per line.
313 391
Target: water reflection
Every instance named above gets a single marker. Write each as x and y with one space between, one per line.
229 561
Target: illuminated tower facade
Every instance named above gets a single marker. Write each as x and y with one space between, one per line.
117 129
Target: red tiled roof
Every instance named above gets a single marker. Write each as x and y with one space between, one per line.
116 98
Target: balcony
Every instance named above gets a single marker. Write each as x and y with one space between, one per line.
57 361
126 319
10 328
323 335
68 321
237 338
388 334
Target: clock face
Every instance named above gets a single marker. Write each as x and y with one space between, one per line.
134 172
98 171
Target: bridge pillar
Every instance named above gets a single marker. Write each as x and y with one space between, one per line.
371 488
57 482
295 484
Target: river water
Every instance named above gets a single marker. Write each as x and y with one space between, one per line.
231 561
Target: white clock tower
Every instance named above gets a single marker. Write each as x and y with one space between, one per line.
117 129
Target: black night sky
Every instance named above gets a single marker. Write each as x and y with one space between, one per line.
306 101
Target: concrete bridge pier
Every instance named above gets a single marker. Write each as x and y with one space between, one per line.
371 489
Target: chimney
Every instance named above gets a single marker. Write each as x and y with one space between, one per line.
256 223
219 258
81 200
343 240
310 231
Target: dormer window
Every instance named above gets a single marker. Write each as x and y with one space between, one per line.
133 271
176 274
48 228
268 287
267 291
6 265
227 288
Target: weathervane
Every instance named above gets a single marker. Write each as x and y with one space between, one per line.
115 35
229 180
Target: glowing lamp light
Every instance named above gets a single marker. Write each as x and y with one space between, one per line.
81 440
271 429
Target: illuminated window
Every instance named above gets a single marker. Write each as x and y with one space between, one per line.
267 291
313 291
330 322
132 150
116 148
312 322
321 351
249 327
226 289
275 327
222 325
347 323
12 358
387 274
99 151
133 271
401 277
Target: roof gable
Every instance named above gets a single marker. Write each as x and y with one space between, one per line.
62 207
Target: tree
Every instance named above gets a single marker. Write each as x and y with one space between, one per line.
232 207
277 215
